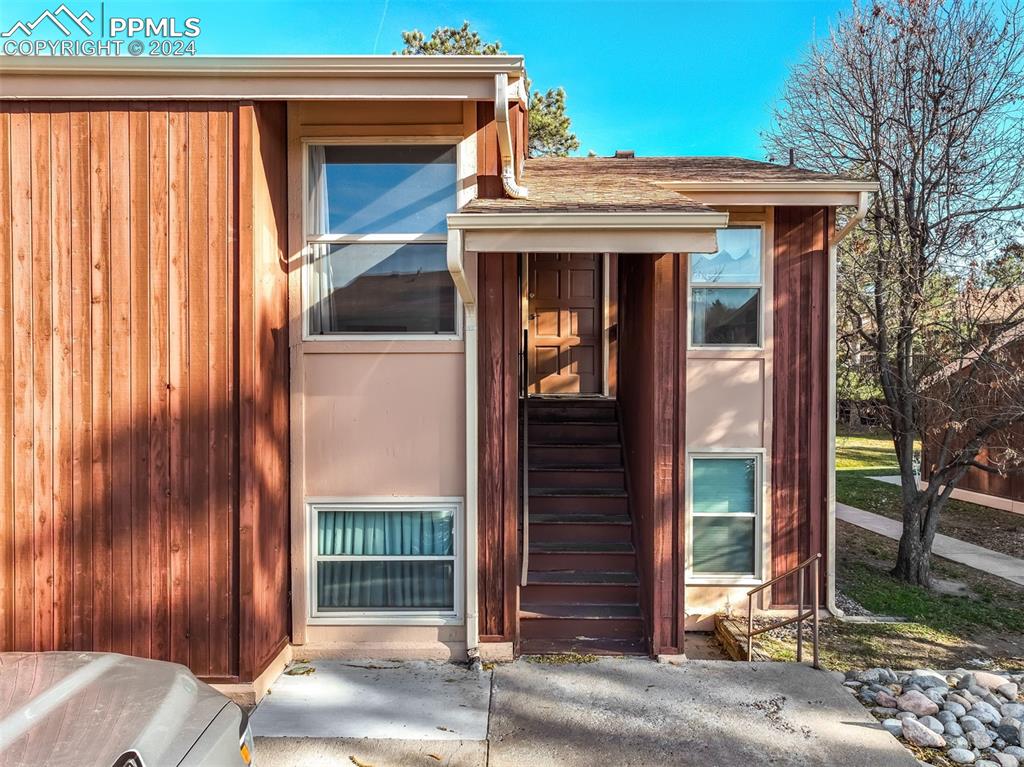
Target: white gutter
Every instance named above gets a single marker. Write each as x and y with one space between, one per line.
457 268
619 220
508 172
863 202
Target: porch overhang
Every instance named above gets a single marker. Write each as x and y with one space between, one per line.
755 192
590 232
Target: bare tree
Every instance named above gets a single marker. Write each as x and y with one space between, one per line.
927 96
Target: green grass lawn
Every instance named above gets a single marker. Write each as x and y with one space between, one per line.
969 616
861 456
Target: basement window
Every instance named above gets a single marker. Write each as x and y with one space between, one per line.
725 504
725 291
376 233
385 561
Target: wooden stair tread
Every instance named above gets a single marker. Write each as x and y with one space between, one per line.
582 492
580 611
582 577
581 547
580 519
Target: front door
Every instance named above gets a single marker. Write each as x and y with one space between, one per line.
565 327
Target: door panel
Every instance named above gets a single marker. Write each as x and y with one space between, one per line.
565 311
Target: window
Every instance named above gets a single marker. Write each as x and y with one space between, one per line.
725 502
385 559
725 290
376 235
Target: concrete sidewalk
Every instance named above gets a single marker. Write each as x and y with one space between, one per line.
615 711
953 549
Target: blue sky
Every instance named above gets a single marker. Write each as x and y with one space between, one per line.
656 77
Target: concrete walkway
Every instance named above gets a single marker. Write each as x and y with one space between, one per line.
615 711
953 549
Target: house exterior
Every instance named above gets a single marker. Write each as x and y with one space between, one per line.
305 352
996 490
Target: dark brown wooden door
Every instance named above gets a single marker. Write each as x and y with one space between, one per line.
565 340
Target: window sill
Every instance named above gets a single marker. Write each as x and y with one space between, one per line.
328 345
370 619
722 581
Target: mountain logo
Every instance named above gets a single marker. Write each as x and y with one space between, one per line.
55 17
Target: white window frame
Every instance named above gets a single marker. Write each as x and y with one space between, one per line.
417 617
759 286
310 242
760 500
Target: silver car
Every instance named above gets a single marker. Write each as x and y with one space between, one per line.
110 710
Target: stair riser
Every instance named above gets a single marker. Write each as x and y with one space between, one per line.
543 456
542 532
572 504
585 561
562 593
539 478
571 628
559 413
572 433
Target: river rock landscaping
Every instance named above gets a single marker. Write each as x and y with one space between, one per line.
957 718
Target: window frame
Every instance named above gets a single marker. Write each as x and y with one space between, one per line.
759 286
756 577
311 242
410 616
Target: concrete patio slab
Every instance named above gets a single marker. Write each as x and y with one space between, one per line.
621 711
347 752
416 701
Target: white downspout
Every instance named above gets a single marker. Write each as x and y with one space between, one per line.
863 201
457 268
508 171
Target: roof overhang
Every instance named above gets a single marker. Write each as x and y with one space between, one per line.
836 192
637 232
257 77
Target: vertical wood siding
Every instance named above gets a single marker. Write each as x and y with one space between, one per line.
122 401
800 409
499 342
652 399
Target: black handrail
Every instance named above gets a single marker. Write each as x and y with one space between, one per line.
801 616
525 387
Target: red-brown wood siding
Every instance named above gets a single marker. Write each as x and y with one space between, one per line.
488 158
1010 485
800 409
498 502
652 402
141 350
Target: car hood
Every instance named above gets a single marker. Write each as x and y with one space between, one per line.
79 708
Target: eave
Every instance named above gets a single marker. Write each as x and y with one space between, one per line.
825 192
256 77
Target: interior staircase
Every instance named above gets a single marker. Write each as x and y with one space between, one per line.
582 585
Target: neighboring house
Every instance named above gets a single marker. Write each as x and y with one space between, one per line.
997 490
261 334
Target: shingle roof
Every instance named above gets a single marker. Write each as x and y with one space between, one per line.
608 184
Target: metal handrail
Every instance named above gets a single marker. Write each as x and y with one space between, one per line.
525 387
801 616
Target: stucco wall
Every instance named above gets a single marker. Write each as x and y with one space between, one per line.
373 418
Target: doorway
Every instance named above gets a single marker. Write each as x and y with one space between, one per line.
565 339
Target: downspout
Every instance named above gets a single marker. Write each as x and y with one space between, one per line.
457 268
508 171
863 202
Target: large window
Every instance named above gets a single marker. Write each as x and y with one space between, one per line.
385 559
375 236
725 290
725 504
